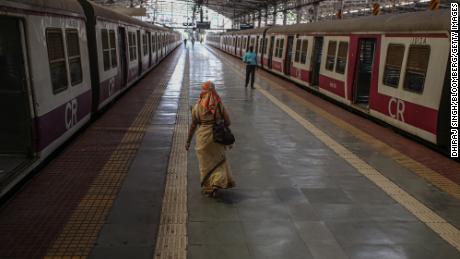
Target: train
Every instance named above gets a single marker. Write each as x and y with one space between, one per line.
61 63
394 68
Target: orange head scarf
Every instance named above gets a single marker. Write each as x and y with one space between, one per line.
209 99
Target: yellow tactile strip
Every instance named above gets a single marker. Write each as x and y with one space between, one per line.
172 233
80 232
438 180
440 226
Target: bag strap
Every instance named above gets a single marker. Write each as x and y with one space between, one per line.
220 112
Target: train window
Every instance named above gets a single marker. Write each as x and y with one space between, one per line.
265 45
56 57
277 45
153 43
393 64
109 51
113 48
303 53
280 54
330 59
144 44
341 61
261 45
417 64
132 46
105 48
73 53
297 50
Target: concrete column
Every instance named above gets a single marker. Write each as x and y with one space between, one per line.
315 11
274 14
266 15
284 17
298 10
259 19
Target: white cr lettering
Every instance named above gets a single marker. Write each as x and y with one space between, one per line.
398 106
71 114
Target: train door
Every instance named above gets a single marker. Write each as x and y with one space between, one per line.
139 52
149 40
288 59
122 55
256 47
363 71
316 60
15 115
270 52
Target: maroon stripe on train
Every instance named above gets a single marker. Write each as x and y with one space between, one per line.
53 124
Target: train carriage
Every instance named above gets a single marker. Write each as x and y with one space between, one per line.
392 67
60 64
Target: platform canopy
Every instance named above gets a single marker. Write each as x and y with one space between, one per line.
235 8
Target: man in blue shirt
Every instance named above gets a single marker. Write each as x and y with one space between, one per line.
250 59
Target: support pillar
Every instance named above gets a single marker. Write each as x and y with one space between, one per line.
259 20
266 15
284 17
274 14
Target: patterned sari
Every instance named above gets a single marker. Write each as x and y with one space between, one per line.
214 168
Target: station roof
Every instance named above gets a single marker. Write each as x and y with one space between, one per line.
234 8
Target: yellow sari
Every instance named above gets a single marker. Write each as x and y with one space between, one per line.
214 168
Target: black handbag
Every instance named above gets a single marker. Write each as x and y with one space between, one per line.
221 133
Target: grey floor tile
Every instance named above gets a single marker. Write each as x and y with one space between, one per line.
352 233
268 232
373 252
224 251
122 252
341 212
216 233
282 249
326 196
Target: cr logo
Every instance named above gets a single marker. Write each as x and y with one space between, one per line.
396 109
71 113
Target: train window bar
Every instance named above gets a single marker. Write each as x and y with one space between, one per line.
393 64
74 57
341 61
417 64
57 60
330 59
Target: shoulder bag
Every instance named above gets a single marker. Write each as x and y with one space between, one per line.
222 133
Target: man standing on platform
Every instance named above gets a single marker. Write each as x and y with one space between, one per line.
250 59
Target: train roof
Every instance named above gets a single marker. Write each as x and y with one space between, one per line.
68 7
251 31
418 21
106 13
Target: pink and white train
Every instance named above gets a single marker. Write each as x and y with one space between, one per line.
60 63
394 67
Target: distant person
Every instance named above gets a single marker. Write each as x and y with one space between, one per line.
250 58
193 42
201 40
185 42
214 170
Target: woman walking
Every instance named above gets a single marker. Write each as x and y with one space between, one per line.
214 170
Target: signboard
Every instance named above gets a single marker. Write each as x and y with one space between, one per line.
203 25
245 26
190 24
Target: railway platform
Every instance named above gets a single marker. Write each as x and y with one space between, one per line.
312 180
